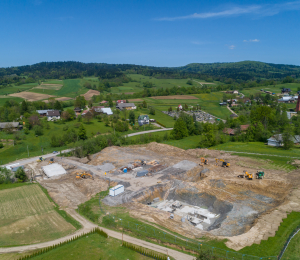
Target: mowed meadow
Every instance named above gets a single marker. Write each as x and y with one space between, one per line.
27 216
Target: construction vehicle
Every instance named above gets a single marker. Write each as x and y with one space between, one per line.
84 175
51 161
246 175
203 161
260 175
224 164
40 159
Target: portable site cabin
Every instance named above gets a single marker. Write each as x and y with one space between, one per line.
114 191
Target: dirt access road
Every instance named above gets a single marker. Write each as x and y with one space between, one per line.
88 226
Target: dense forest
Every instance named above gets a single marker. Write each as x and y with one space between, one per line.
229 73
243 71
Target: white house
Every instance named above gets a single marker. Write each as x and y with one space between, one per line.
53 115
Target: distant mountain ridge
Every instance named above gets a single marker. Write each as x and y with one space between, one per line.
237 71
245 70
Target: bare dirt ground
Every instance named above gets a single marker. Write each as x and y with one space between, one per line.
59 99
31 96
175 97
136 100
88 95
249 210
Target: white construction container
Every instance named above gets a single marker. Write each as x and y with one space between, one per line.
114 191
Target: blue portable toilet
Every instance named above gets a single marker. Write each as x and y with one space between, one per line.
125 170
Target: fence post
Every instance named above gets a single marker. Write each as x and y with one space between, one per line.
175 239
198 246
164 235
226 254
154 231
128 224
212 250
136 226
242 257
186 242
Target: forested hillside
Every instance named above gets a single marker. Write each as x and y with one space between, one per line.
244 70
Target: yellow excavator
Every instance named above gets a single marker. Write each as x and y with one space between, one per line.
84 175
203 161
224 164
246 175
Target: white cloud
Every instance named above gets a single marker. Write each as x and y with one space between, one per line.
231 47
254 40
259 10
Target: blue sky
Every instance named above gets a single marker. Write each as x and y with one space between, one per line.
147 32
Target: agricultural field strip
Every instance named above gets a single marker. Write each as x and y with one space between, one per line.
261 154
23 201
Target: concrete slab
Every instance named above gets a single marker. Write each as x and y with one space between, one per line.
53 170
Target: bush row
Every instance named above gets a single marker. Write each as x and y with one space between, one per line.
47 249
145 252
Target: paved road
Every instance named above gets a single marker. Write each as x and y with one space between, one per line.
49 155
150 131
88 226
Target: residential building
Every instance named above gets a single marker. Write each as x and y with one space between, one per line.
276 140
285 90
127 106
287 99
43 112
143 120
121 101
229 131
77 111
53 115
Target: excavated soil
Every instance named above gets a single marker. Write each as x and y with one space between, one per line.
248 210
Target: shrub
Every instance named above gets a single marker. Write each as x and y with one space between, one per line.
38 130
1 145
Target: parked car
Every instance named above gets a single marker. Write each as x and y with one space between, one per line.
54 152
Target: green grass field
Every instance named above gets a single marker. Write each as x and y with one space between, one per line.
92 247
164 83
3 100
16 89
210 104
190 142
274 89
71 88
293 250
27 216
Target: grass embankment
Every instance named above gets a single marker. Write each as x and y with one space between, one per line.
4 99
293 250
16 89
92 247
27 216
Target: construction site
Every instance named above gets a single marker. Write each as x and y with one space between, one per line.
195 193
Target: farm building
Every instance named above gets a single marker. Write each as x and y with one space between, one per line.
106 110
287 99
128 106
121 101
14 125
103 102
180 107
229 131
97 109
276 140
233 115
53 115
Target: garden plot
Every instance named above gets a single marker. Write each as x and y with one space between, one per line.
27 216
31 96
